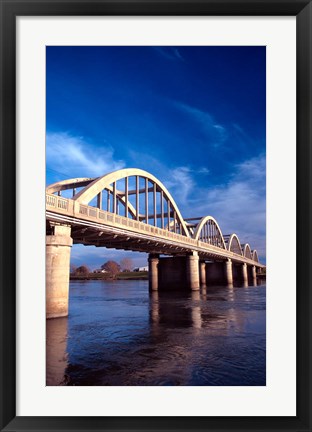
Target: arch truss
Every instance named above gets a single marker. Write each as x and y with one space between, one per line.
233 244
247 251
208 231
255 255
132 193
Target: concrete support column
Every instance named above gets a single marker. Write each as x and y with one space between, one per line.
244 275
202 274
228 272
58 248
254 275
153 261
192 271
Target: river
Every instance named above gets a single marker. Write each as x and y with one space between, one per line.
117 333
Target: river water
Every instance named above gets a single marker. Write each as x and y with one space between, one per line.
117 333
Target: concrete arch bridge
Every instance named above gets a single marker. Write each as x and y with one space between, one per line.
130 209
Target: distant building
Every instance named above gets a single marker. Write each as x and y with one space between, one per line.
100 271
140 269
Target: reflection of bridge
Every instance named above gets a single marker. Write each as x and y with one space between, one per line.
131 209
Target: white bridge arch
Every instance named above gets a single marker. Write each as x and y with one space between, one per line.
208 231
163 208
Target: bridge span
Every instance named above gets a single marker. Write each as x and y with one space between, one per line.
130 209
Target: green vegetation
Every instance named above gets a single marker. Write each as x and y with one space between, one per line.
107 276
132 275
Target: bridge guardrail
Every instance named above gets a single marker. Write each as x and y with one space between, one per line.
62 204
70 207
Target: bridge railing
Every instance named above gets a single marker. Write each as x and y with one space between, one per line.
117 220
73 208
62 204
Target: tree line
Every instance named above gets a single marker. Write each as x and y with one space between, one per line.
111 267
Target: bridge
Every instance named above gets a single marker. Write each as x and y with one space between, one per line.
130 209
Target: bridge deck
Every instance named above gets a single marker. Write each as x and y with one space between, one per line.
92 226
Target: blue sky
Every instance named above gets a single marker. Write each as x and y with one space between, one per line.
195 117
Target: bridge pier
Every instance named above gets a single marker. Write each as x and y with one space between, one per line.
58 247
174 273
202 274
252 275
228 272
192 271
220 273
153 261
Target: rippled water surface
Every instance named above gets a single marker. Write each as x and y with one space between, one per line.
119 334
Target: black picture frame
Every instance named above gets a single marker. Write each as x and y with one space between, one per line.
10 9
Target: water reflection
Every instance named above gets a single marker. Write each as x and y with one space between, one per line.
56 351
177 309
191 310
119 334
196 310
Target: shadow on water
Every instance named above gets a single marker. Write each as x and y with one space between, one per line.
180 310
119 334
56 351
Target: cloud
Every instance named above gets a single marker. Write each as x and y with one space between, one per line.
202 170
240 205
240 131
214 132
73 156
180 183
170 53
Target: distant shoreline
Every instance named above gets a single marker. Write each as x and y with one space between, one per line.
105 276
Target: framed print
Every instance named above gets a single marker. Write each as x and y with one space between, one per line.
168 146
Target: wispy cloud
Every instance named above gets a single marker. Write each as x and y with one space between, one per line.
202 170
170 53
214 132
180 183
73 156
240 205
240 131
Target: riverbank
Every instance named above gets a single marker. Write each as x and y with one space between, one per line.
107 276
